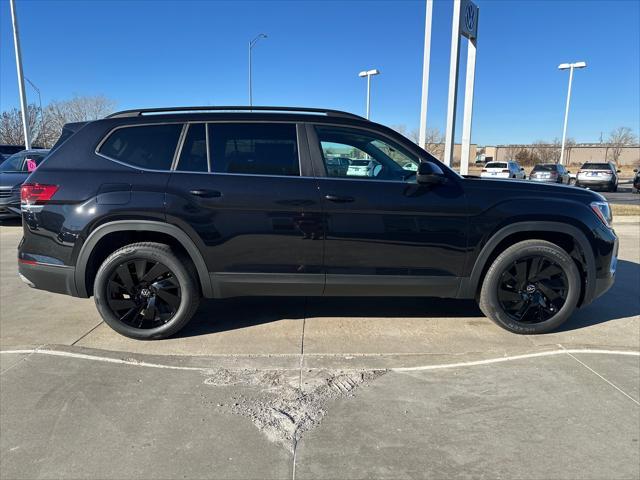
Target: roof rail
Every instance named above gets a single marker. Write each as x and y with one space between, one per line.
146 111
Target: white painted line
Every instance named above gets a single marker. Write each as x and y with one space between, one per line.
514 357
489 361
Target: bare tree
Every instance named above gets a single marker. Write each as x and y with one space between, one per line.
512 151
46 125
547 152
434 140
620 138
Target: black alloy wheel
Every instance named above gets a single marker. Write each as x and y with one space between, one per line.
532 289
143 294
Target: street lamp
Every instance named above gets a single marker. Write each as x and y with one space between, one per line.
40 102
251 45
570 67
369 74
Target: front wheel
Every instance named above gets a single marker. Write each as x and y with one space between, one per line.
145 291
532 287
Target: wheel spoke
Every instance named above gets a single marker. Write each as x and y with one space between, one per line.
169 298
141 266
150 309
156 271
125 276
548 272
509 295
550 293
121 303
521 274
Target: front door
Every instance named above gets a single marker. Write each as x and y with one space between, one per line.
241 192
385 233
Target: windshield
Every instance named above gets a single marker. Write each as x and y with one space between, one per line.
596 166
12 164
545 168
495 165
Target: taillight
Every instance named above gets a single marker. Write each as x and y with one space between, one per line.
484 170
36 193
505 171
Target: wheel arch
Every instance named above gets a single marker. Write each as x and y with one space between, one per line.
526 231
138 226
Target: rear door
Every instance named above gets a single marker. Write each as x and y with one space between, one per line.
385 233
246 195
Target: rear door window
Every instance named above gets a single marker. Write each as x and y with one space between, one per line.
147 146
254 148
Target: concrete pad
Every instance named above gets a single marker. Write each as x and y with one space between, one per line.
239 326
10 360
539 418
69 418
618 370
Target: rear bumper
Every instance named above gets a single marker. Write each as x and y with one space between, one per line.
52 278
544 180
595 183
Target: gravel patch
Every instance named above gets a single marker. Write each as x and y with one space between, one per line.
285 405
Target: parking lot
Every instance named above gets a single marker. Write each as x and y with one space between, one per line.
319 388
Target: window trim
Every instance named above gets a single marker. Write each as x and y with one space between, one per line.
181 142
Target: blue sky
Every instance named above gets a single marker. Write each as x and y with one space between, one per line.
169 52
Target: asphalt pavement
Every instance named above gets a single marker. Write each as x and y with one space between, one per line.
320 388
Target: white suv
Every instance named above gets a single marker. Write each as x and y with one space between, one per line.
508 169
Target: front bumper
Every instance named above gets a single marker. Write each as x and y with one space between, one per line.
10 207
52 278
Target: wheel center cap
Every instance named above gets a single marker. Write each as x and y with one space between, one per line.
531 288
145 292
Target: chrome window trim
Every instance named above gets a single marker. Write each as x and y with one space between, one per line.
178 150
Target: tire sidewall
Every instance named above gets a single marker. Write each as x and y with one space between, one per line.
489 294
187 291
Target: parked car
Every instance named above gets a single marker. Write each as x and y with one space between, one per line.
13 172
508 169
338 165
7 150
550 172
362 168
636 181
598 175
149 210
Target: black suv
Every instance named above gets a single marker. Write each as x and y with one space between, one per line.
149 210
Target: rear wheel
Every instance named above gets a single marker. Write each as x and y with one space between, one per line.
531 287
144 291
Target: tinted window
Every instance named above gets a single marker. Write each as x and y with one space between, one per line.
193 157
596 166
254 148
148 146
495 165
545 168
368 156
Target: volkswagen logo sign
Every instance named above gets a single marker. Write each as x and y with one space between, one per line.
470 17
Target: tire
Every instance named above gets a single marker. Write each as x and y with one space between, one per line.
496 293
159 285
613 188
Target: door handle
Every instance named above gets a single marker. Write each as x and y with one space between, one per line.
205 193
339 198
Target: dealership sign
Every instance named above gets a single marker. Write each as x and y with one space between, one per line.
469 19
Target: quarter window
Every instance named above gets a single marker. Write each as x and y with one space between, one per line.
254 148
193 157
147 146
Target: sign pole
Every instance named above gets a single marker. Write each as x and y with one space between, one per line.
453 85
468 108
23 97
422 139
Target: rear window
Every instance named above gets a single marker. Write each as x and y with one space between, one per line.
596 166
495 165
254 148
545 168
145 146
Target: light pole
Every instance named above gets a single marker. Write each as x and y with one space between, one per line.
23 96
252 43
570 67
39 102
369 74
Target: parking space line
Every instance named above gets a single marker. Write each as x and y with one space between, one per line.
609 382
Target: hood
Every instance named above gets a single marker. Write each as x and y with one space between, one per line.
524 188
12 179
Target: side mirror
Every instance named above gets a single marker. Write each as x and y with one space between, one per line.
617 171
568 171
429 174
635 169
522 169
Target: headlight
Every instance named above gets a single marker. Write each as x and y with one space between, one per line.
603 212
